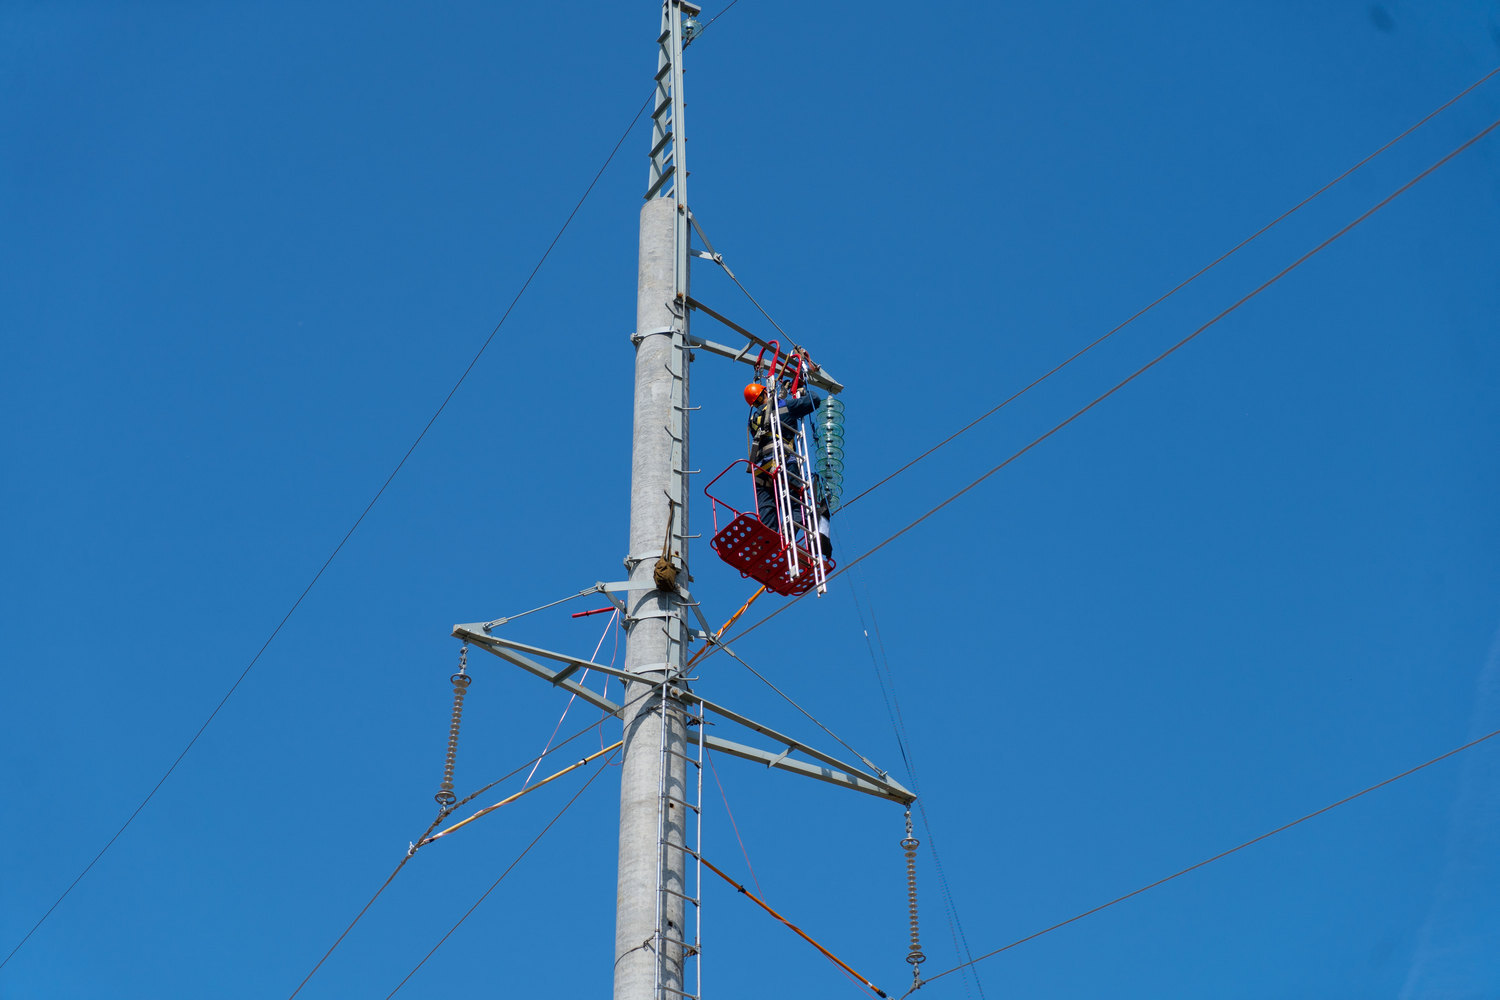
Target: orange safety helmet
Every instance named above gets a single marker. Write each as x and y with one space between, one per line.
753 393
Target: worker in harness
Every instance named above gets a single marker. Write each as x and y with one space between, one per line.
763 453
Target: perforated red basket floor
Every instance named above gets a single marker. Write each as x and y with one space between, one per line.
756 551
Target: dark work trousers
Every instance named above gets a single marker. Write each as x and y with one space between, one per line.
765 506
765 493
765 500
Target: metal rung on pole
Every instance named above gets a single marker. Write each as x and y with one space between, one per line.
666 176
689 949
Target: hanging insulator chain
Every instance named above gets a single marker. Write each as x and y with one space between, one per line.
445 796
914 955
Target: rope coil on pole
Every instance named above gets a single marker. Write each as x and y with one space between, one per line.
914 954
461 680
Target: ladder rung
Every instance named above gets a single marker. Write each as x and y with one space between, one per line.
691 760
690 996
683 896
683 802
666 175
691 949
665 139
666 66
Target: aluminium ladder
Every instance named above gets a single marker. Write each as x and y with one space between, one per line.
673 949
796 505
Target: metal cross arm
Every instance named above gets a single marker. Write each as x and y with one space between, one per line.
526 657
819 377
837 773
851 779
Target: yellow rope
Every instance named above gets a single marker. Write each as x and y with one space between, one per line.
723 628
529 788
794 928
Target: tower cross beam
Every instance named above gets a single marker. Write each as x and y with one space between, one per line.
827 768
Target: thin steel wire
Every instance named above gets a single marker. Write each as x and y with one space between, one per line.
790 701
532 762
1208 861
434 825
614 616
733 825
543 607
495 884
1133 375
903 739
342 542
1137 315
1172 291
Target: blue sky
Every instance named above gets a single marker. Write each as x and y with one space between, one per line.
249 252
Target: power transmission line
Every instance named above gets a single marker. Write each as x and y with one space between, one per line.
495 884
1162 298
342 542
359 520
444 814
1132 376
1207 861
1145 309
887 680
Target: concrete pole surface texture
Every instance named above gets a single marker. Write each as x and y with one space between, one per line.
654 641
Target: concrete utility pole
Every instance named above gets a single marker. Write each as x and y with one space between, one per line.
661 769
651 941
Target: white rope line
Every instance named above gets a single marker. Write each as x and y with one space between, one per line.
572 698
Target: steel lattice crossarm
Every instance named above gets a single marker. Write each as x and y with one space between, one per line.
821 766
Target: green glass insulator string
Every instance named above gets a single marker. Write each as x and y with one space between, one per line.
828 442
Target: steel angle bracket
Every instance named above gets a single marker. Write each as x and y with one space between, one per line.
683 597
819 378
823 768
530 659
558 669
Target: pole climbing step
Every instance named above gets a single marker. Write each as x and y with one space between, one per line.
673 948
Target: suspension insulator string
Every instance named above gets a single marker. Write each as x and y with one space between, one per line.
461 680
828 465
914 954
